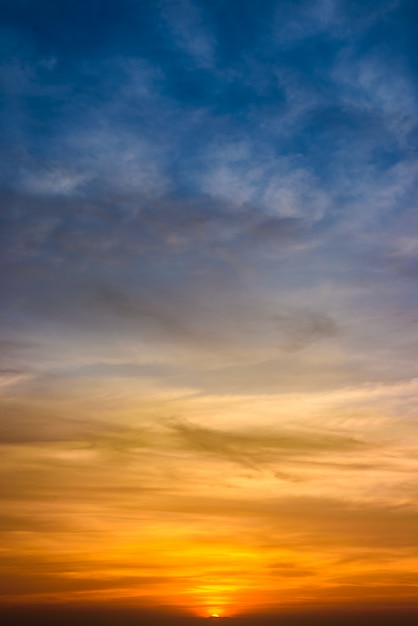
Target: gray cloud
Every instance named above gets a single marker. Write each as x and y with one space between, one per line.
301 328
175 270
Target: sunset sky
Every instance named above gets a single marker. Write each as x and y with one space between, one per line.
209 321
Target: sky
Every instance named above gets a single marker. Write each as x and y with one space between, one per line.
209 328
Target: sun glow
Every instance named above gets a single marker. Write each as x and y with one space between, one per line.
215 612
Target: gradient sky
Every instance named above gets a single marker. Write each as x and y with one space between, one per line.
209 329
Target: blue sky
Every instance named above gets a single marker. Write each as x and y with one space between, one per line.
212 161
207 207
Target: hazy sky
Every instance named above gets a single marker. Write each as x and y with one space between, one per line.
209 329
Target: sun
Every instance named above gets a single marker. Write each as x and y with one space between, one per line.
215 615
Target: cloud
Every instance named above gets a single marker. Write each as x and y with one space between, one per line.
175 267
26 424
186 23
301 328
55 182
253 448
